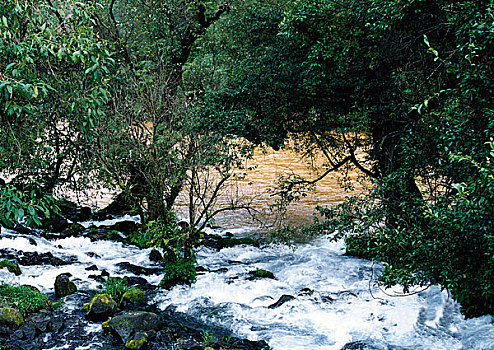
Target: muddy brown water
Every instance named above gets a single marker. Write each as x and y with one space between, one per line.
257 188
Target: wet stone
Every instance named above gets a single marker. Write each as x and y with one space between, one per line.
282 300
91 268
305 292
126 325
139 270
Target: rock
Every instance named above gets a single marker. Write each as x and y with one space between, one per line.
100 308
72 211
127 226
138 340
97 278
201 269
327 299
73 230
10 320
139 270
26 332
305 292
260 273
63 286
364 345
12 267
56 223
283 299
132 298
105 273
191 330
155 256
219 242
128 327
22 229
91 268
135 281
122 204
34 258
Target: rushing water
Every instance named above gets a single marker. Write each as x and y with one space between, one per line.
335 299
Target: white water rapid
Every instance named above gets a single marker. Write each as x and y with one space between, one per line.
335 300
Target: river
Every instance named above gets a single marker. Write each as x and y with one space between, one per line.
331 300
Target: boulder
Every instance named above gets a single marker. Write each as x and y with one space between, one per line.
133 328
35 258
72 230
137 341
155 256
72 211
101 307
64 286
305 292
10 320
56 223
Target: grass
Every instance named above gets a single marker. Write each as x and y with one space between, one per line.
26 299
116 287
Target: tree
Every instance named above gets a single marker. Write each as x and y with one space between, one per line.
412 81
426 87
53 85
153 143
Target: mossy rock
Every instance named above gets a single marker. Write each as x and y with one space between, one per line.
12 267
100 308
10 319
63 286
138 341
133 326
260 273
132 298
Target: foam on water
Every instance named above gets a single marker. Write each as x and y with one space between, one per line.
104 254
344 306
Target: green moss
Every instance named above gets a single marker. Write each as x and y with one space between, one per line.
136 343
106 324
11 316
12 267
26 299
